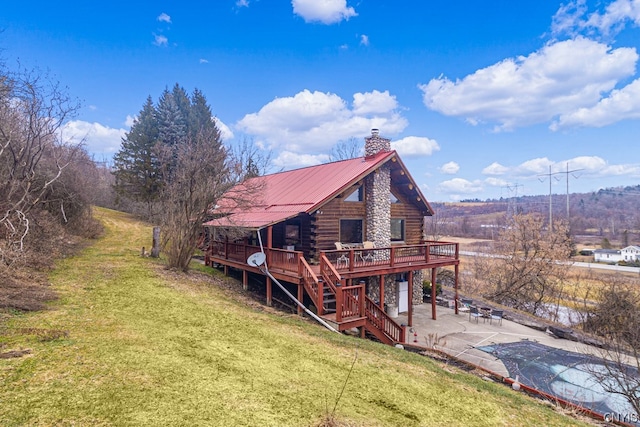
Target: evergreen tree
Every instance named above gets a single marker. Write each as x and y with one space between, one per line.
136 164
172 122
200 117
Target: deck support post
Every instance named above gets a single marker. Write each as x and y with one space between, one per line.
269 292
455 286
433 293
245 280
300 297
226 270
381 278
410 296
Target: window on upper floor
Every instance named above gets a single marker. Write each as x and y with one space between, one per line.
351 230
397 230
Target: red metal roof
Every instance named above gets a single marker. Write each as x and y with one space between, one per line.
286 194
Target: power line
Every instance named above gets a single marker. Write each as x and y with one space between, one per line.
512 202
549 175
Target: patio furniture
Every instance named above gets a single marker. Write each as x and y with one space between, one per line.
464 304
497 316
367 256
474 313
342 259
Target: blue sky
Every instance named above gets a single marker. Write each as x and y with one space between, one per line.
479 98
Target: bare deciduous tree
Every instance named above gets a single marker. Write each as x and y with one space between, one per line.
345 150
528 265
616 318
32 158
205 171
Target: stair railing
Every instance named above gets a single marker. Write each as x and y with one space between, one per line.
378 319
312 285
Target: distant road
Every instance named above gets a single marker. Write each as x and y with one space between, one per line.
607 267
597 266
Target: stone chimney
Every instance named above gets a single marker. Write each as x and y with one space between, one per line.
375 143
377 194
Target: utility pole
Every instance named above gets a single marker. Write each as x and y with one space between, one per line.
512 203
550 174
567 176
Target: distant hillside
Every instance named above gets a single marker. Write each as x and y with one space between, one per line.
613 213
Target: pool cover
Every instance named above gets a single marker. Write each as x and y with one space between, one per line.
563 374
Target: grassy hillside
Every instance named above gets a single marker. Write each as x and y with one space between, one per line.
128 344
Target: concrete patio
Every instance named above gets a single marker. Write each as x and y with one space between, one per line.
459 336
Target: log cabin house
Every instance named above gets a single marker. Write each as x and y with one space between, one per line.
349 234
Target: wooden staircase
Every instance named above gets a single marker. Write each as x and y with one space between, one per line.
348 306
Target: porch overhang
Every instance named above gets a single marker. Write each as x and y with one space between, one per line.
251 220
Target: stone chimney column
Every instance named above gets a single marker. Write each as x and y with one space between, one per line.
377 194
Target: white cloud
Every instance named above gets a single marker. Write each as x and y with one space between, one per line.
93 107
557 80
615 16
288 160
495 168
569 18
129 121
596 166
163 17
450 168
572 18
415 146
225 132
496 182
460 185
203 61
364 40
619 105
98 139
242 3
374 102
537 166
309 122
160 40
324 11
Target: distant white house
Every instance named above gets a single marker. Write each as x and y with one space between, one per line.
628 254
631 253
607 255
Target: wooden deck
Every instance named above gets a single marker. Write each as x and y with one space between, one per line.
350 263
331 281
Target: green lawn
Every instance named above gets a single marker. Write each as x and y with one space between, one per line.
128 343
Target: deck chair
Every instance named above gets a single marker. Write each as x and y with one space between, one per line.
464 304
342 258
367 255
474 313
497 316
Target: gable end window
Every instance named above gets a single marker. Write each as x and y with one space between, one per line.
356 196
397 230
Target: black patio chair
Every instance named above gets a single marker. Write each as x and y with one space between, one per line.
497 316
474 313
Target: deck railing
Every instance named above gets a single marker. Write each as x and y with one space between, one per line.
312 285
394 256
351 301
355 259
383 322
283 260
